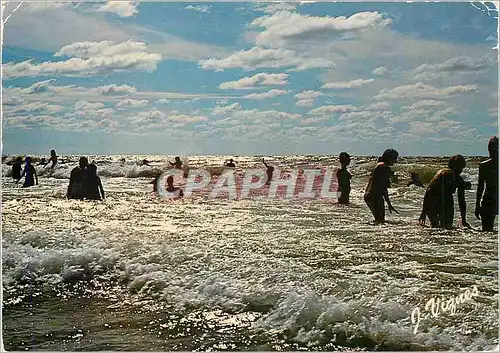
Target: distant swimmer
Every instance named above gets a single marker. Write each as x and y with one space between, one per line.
145 162
177 164
92 184
172 190
488 174
53 159
43 162
76 187
17 168
344 178
269 171
29 173
438 199
376 190
415 180
230 164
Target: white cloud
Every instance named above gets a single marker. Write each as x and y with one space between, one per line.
260 79
199 8
330 109
113 89
183 118
35 107
120 8
258 57
347 84
423 91
457 64
305 103
285 25
85 105
379 106
429 103
163 101
308 94
226 109
276 7
12 101
131 103
270 94
90 58
380 71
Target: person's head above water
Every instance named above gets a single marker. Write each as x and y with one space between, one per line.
231 160
344 158
493 146
28 160
390 156
84 162
92 169
170 181
52 152
457 163
19 159
177 159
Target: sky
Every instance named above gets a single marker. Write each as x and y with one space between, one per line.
243 78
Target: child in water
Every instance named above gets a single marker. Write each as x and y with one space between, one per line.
376 190
17 168
30 173
92 184
488 174
438 199
344 179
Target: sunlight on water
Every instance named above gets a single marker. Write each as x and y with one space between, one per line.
139 272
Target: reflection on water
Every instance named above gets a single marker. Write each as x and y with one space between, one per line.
137 272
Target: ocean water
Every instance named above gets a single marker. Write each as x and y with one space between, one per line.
138 272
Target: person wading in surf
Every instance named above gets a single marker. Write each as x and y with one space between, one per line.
376 190
76 188
488 174
344 179
438 199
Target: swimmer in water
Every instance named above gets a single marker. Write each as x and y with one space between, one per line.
92 184
344 178
175 193
17 168
269 171
488 174
230 164
376 190
76 187
438 199
53 159
30 174
177 164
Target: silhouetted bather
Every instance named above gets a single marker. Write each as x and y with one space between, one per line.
53 159
269 171
92 184
17 168
415 180
488 174
177 164
438 199
376 190
76 187
29 173
172 190
145 162
230 164
344 178
42 162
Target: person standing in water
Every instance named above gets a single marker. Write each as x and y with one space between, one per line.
230 164
269 171
488 174
92 184
438 199
17 168
376 190
175 193
76 188
177 164
344 179
29 173
53 159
